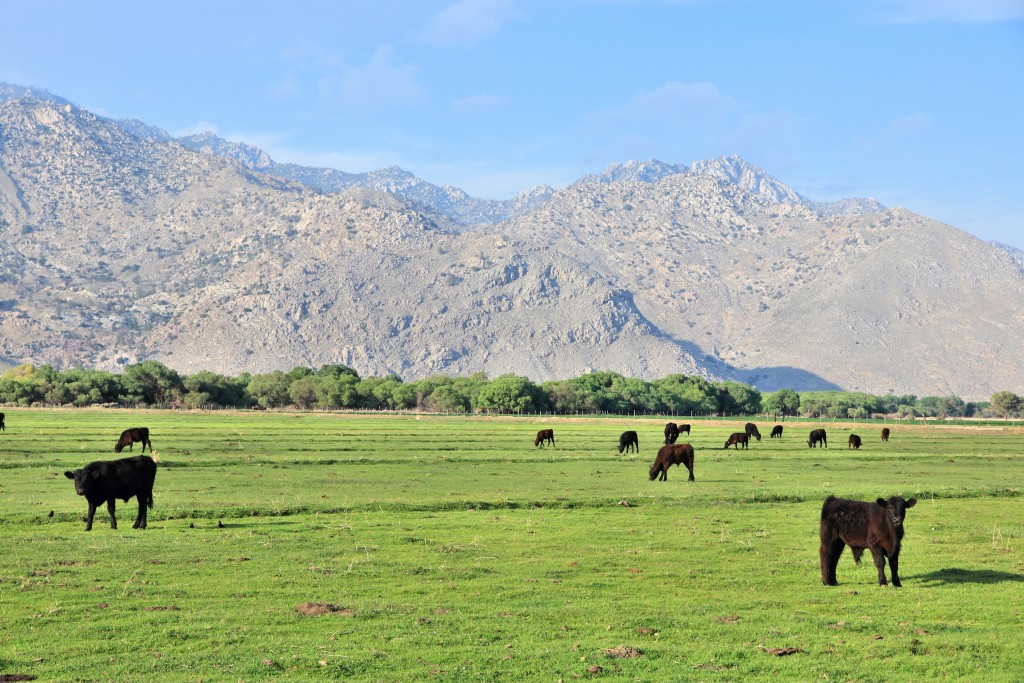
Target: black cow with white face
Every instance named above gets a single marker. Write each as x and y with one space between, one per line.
105 481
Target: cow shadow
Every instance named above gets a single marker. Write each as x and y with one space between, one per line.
955 575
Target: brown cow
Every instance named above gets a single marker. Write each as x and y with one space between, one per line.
818 436
854 442
544 435
736 439
751 429
672 454
885 433
776 431
133 436
876 526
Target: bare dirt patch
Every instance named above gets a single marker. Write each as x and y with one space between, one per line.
623 652
316 609
16 677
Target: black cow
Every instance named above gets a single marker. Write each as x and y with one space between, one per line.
817 436
684 429
627 440
133 436
854 442
876 526
544 435
751 430
671 433
736 439
885 433
2 425
672 454
776 431
107 480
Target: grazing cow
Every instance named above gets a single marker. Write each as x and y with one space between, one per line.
107 480
672 454
736 439
817 436
2 426
544 435
133 436
751 430
776 431
627 440
684 429
876 526
885 432
854 442
671 433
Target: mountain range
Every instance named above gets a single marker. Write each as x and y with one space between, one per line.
124 243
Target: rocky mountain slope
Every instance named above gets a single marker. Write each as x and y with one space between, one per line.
122 245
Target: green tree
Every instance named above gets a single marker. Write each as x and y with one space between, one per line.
510 394
785 402
270 390
151 383
1005 403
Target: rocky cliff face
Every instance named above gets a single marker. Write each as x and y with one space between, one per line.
122 245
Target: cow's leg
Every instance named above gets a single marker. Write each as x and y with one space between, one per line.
833 551
879 556
140 519
111 504
894 568
690 467
664 474
92 513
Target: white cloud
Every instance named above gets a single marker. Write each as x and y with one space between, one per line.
380 83
952 11
475 104
468 22
674 103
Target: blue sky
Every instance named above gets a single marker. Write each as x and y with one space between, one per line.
918 103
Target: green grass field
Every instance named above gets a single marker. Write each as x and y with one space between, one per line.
451 549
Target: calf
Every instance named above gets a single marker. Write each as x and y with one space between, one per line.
544 435
628 440
885 433
672 454
817 436
877 526
854 442
736 439
776 431
671 433
107 480
751 430
133 436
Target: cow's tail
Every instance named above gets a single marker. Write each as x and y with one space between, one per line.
149 502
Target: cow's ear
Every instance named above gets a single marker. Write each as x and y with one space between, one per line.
912 502
95 474
69 475
882 502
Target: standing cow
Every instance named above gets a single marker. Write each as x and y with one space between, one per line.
736 439
684 429
854 442
544 436
876 526
817 436
751 429
671 433
885 433
2 425
107 480
672 454
776 431
133 436
629 440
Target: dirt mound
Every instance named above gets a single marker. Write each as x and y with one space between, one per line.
315 609
623 652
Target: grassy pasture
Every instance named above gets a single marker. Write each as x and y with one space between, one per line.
451 549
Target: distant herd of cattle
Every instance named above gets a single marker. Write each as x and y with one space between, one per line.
877 526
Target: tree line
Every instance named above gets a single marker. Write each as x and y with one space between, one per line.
153 384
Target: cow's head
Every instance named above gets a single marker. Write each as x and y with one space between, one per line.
82 479
655 471
896 508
